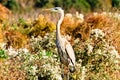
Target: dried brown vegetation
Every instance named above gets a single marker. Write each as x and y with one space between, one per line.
4 12
74 27
1 33
15 39
109 25
11 70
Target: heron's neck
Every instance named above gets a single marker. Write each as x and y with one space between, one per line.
58 34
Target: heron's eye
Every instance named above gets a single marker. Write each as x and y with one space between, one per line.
55 8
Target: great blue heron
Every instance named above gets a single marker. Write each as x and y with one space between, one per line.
65 49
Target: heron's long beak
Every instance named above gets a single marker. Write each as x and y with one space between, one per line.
51 10
46 9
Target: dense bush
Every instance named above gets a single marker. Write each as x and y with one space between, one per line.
41 26
96 59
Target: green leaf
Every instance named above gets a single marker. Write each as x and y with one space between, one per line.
49 54
2 54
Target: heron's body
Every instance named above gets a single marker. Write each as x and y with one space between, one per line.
65 49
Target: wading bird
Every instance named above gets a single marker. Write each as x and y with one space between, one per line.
65 50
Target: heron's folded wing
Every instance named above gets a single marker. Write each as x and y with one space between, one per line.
70 52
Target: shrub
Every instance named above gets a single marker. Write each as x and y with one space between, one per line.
15 39
41 26
46 43
97 57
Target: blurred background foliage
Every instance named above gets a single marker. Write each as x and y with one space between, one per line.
68 5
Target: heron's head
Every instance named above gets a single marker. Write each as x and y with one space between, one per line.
56 9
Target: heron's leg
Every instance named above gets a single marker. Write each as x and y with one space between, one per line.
66 73
62 70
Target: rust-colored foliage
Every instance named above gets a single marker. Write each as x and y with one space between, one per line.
114 35
1 35
109 25
69 24
82 31
15 39
75 27
4 12
98 20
